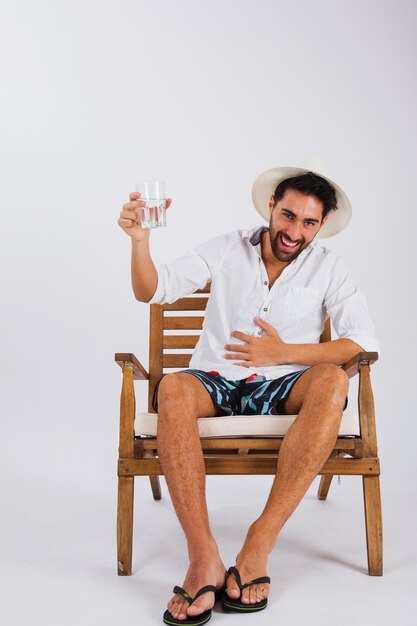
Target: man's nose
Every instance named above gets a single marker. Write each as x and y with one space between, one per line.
295 232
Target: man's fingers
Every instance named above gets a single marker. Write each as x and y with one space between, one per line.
126 222
243 336
262 323
236 355
268 328
235 346
130 215
134 195
132 206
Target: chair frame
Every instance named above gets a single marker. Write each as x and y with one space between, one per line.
138 456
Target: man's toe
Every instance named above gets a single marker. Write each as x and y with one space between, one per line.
200 605
178 609
253 594
232 589
259 594
182 612
195 609
172 607
246 595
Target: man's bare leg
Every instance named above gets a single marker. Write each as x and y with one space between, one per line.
318 397
182 398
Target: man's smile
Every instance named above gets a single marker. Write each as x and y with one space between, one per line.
287 243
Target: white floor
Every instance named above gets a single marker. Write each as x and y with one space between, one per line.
58 555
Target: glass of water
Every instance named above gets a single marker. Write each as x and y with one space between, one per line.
153 193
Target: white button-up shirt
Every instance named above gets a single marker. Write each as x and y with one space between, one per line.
316 286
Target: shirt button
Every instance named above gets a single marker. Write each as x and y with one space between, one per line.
265 282
259 332
265 308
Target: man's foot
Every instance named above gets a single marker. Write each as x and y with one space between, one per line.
251 563
206 571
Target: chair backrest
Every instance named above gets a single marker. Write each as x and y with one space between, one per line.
177 326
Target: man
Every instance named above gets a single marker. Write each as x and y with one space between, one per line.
271 291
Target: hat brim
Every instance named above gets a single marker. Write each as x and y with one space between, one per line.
266 183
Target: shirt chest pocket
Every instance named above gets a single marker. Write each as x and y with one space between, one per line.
299 302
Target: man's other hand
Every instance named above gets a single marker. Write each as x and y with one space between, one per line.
269 349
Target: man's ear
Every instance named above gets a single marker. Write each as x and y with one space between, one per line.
271 204
324 220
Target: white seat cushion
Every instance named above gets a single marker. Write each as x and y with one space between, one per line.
244 426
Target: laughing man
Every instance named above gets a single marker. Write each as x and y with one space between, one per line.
272 288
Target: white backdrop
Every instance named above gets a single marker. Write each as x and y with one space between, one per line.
206 95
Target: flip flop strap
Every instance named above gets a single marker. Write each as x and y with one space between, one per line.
204 590
255 581
235 571
199 593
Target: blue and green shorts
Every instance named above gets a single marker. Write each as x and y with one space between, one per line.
250 396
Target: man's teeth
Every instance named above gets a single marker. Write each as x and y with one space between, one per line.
288 243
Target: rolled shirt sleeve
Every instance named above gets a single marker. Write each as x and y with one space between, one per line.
347 309
180 278
189 272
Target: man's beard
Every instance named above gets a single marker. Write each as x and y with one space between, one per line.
285 256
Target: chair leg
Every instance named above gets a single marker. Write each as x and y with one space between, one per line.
156 487
373 522
324 486
125 525
326 480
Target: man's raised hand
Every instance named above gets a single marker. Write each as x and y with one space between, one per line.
129 219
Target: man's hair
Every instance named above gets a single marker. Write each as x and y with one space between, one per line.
309 184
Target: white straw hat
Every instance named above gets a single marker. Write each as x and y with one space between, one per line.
266 183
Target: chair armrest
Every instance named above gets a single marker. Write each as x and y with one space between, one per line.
352 366
139 372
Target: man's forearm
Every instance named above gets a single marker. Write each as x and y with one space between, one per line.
144 274
337 352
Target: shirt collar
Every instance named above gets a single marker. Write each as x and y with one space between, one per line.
255 238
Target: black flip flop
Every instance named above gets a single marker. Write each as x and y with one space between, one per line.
232 604
197 620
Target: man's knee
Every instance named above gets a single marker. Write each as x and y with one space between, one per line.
180 394
331 372
332 381
172 388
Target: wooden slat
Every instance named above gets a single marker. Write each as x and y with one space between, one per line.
176 360
254 464
187 304
183 323
180 341
251 464
253 443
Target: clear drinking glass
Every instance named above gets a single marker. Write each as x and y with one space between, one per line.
153 193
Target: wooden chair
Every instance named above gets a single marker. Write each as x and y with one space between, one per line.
170 324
